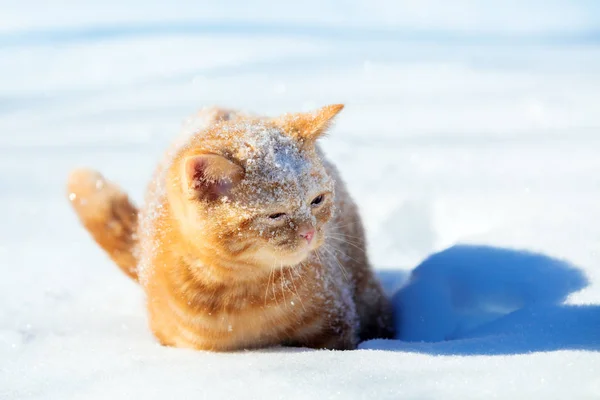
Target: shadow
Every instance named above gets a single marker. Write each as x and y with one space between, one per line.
470 300
392 280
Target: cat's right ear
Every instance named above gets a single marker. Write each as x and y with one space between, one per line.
308 127
211 176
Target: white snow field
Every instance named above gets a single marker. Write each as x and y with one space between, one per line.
471 136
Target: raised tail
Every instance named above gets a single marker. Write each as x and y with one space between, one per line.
108 215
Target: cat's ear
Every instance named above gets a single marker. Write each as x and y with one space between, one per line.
211 176
310 126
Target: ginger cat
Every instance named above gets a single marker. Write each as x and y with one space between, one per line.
247 238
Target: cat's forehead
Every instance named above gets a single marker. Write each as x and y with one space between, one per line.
277 169
272 155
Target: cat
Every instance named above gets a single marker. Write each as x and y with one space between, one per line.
248 238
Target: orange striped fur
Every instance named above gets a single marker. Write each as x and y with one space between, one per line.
247 238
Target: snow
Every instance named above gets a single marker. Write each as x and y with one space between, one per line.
471 124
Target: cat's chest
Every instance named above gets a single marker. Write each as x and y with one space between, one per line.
289 303
286 303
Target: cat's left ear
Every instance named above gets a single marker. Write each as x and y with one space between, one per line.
310 126
211 176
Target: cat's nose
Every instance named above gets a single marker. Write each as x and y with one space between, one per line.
307 233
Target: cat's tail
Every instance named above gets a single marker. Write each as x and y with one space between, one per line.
108 215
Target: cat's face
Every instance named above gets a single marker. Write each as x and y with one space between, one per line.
286 199
262 195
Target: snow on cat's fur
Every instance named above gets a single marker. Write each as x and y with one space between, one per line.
247 238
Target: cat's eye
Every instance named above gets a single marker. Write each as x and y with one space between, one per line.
276 216
317 200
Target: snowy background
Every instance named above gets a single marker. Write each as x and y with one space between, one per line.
467 122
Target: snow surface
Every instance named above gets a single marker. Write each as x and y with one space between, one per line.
474 124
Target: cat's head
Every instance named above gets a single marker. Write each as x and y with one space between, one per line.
255 191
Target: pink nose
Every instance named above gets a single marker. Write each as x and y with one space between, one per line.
308 234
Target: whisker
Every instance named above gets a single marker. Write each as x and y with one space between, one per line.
318 253
299 274
337 231
296 289
343 235
352 258
273 287
342 269
268 283
340 233
348 242
281 283
344 226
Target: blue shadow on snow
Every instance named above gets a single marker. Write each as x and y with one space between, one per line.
469 300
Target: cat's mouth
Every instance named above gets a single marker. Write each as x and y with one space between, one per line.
302 250
293 245
288 252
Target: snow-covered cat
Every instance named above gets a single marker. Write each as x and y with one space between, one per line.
247 238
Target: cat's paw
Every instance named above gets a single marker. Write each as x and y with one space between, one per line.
339 336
